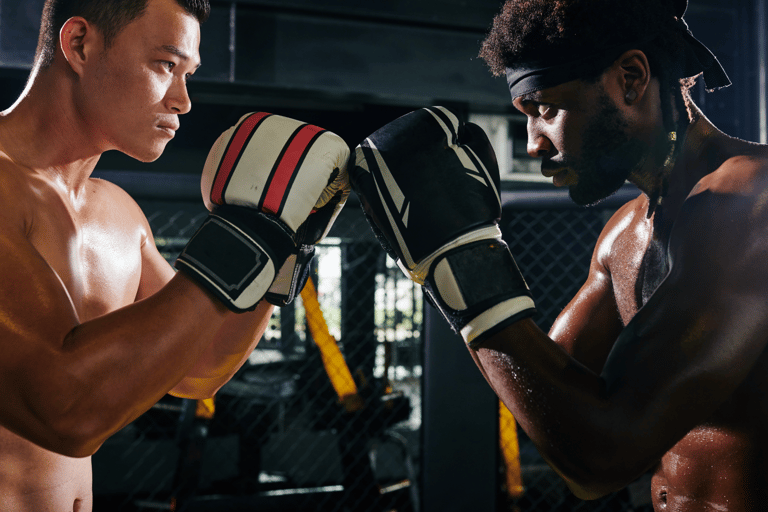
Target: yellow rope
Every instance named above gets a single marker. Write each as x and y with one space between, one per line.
511 451
205 408
333 360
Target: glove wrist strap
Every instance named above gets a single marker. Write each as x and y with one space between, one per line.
479 289
291 277
421 270
229 256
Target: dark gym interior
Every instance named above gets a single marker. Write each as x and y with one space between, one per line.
428 437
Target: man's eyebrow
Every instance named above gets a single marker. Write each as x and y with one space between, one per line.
169 48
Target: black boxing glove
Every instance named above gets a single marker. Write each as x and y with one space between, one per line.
429 186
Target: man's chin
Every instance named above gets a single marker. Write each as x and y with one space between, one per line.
147 155
147 159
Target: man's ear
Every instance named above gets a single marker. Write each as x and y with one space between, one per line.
79 42
633 75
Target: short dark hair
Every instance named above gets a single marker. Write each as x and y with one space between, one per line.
563 30
109 16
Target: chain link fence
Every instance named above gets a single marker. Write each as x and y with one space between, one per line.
279 437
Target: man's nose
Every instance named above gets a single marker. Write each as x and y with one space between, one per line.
538 144
178 98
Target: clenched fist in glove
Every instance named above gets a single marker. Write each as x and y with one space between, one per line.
429 186
274 187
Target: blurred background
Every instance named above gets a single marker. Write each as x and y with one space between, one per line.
423 431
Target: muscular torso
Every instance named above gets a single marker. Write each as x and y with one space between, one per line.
719 465
93 243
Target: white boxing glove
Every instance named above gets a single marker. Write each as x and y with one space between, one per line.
274 186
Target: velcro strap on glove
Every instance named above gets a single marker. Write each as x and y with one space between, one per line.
479 289
229 255
292 276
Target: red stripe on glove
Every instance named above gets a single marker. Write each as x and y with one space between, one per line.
232 155
287 168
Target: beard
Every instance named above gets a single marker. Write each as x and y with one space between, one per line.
608 156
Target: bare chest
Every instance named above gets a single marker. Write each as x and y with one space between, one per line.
96 254
718 465
639 264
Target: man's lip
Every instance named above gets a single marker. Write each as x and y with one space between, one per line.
548 173
559 178
167 128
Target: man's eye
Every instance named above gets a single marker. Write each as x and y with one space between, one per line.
543 108
169 65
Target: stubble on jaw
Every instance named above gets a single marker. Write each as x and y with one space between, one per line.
608 155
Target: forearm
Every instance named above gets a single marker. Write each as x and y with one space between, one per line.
231 347
108 371
562 407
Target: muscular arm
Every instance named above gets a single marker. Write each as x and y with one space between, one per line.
68 385
228 349
679 358
588 326
70 374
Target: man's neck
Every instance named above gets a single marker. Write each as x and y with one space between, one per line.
43 132
682 163
703 151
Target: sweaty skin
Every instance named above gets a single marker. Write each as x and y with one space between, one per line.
659 362
720 463
95 326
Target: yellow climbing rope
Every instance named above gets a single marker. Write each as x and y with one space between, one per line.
333 360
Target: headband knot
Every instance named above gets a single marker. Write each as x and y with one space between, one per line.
700 59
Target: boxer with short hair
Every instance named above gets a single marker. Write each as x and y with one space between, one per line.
659 363
96 326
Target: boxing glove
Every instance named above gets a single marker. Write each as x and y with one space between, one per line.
274 186
429 187
293 274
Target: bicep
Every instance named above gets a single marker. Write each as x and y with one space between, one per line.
32 290
589 325
155 270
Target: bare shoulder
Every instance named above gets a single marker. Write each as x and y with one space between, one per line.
725 217
744 174
623 221
115 203
628 212
22 192
109 192
155 270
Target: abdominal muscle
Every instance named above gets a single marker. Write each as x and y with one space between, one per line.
711 469
33 479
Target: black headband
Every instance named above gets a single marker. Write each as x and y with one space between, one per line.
528 77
